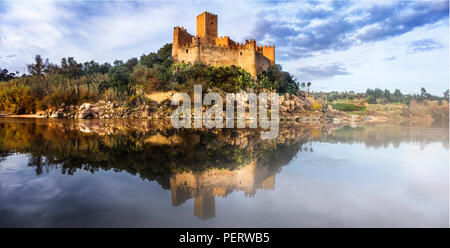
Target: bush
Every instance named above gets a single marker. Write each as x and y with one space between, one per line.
226 78
16 98
348 107
316 105
275 79
151 79
440 112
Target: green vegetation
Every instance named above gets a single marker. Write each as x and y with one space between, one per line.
16 98
385 103
5 75
348 107
377 95
276 79
51 86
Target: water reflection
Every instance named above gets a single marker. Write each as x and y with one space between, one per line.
202 165
205 186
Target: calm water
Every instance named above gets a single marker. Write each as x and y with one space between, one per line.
145 174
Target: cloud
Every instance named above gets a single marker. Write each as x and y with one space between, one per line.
390 58
100 30
362 35
322 71
424 45
329 26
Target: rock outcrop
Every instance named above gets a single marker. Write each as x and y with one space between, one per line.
293 109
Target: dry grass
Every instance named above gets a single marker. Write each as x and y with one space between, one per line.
389 109
160 96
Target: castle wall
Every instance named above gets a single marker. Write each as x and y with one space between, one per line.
247 58
218 55
188 54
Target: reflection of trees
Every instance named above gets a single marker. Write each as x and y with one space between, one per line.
154 152
382 135
3 154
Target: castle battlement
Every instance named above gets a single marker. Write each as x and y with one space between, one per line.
208 14
207 47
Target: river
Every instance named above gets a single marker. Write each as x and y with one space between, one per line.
65 173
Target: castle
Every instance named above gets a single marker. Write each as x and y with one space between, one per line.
210 49
204 187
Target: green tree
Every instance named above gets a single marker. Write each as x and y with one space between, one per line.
36 69
398 95
150 79
378 93
163 56
5 75
387 95
119 77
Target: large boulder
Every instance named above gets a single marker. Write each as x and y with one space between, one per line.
58 114
330 108
85 106
86 114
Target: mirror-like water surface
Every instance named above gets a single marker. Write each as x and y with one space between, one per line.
146 174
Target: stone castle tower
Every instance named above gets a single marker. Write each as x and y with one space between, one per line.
210 49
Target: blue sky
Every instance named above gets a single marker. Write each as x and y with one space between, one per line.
337 45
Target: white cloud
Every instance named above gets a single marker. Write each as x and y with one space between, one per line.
105 31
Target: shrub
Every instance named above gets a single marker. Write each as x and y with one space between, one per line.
275 79
226 78
149 78
440 112
316 105
16 98
348 107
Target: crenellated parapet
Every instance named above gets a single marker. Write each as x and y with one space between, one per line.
181 36
225 41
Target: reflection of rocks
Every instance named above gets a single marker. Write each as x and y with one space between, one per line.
205 186
159 139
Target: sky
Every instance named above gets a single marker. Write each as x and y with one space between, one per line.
335 45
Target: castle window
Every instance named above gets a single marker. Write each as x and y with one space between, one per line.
187 50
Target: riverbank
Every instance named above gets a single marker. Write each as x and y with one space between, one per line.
293 109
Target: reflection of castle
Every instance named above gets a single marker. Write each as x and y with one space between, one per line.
204 187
